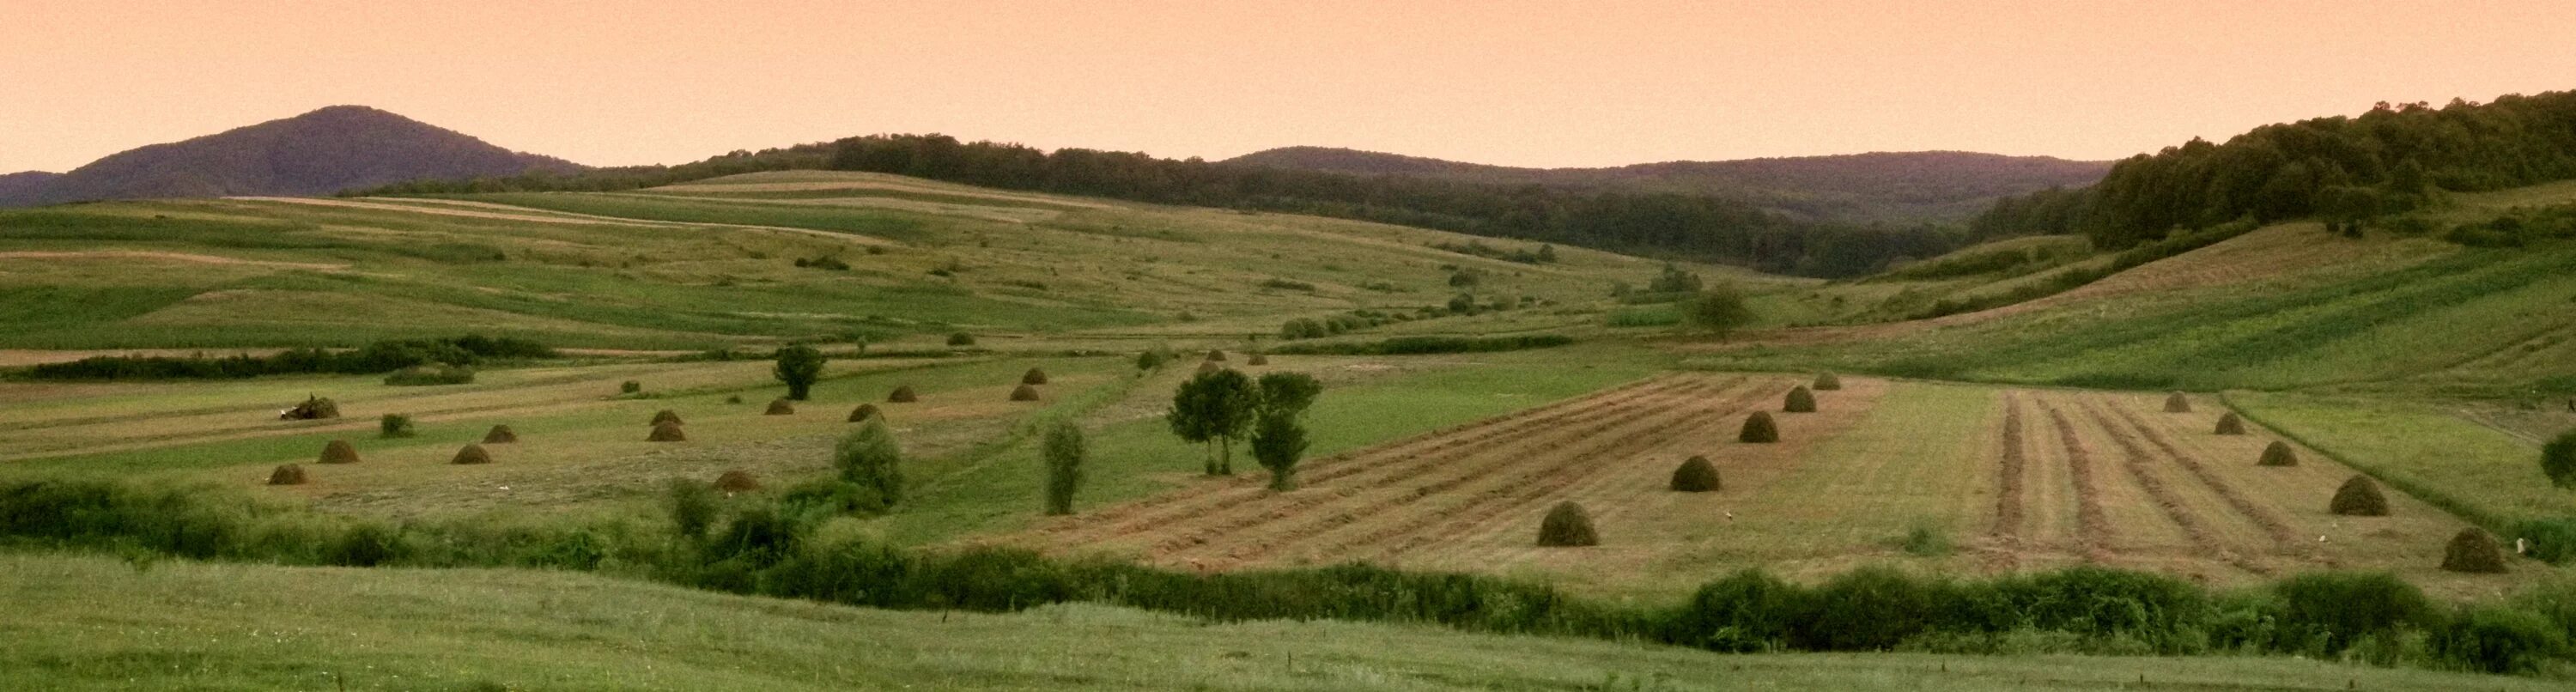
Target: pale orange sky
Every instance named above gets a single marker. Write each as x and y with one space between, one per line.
1516 83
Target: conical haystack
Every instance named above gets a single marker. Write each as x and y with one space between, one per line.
2231 424
1567 525
2473 551
2177 403
472 454
339 452
1206 367
287 474
667 432
736 481
864 412
500 435
902 395
1696 475
1826 382
1758 428
1216 355
1256 359
1024 393
1799 401
1033 376
2278 454
2359 497
780 407
666 416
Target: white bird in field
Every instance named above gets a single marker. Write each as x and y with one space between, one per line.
1730 516
2321 538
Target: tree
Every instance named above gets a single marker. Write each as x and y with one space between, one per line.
1546 253
868 458
1278 434
1288 392
1064 450
1719 310
799 366
1216 407
2558 459
1674 280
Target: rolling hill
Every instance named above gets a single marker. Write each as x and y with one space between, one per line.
316 153
1879 186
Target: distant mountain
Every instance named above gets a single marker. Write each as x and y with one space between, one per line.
1893 187
317 153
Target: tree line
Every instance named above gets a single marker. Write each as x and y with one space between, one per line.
2349 171
1671 224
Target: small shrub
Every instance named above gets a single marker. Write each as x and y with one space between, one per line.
500 435
2231 424
1567 525
1799 401
902 395
1826 382
1926 540
472 454
692 506
2359 497
736 481
2499 640
2177 403
2551 540
2558 460
1256 359
864 412
1033 376
339 452
1759 429
780 407
2278 454
961 339
1696 475
630 387
394 425
1747 612
1024 393
868 458
665 416
2474 552
667 432
2323 613
287 474
1063 451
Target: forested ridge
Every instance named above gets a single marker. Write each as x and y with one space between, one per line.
1663 224
2349 171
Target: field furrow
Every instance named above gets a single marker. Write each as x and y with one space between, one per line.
2261 516
2142 468
2093 526
2008 475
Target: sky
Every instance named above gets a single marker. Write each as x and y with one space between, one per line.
1548 84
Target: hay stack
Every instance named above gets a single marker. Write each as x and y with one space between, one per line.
2177 403
736 481
1024 393
1826 382
667 432
1033 376
2231 424
902 395
2359 497
1758 428
1800 401
1567 526
864 412
1257 359
339 452
472 454
780 407
1215 356
313 408
500 435
287 474
1206 367
2278 454
666 416
2474 552
1696 476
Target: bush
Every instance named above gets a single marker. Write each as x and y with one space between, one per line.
1567 525
287 474
339 452
1063 450
1799 401
1303 328
2558 460
799 366
961 339
1759 429
2323 613
2177 403
2359 497
630 387
1278 442
1150 360
1926 540
1826 382
2499 640
2230 424
500 435
394 425
868 458
2278 454
1871 609
1746 612
2474 552
430 374
472 454
1425 345
692 507
1696 475
2550 540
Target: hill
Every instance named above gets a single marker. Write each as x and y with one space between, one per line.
317 153
1879 186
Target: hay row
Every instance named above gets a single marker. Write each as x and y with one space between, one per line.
2008 473
2092 526
2139 464
2263 517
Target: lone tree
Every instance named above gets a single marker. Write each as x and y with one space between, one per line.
868 458
1718 310
2558 459
799 366
1279 434
1215 407
1063 450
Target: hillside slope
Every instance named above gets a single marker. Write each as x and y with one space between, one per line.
320 152
1879 186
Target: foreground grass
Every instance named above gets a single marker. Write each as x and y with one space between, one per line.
95 623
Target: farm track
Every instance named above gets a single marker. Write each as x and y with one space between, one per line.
1161 510
1480 514
1516 450
2092 527
2140 465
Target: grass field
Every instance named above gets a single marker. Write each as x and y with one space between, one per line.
81 623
